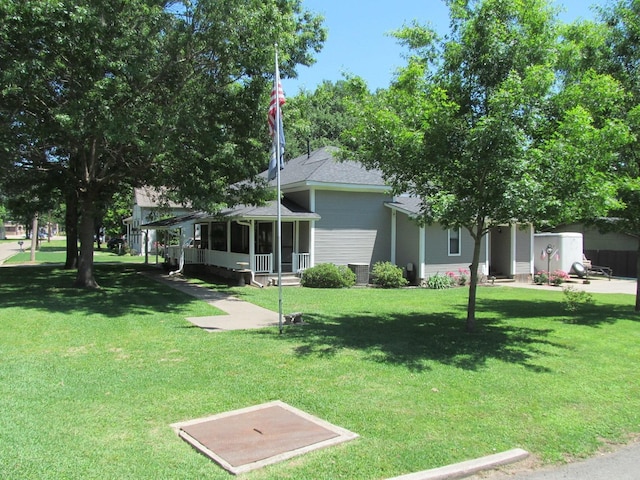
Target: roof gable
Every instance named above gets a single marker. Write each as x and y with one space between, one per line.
149 197
322 167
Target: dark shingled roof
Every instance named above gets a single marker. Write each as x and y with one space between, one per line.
321 166
409 205
288 210
173 221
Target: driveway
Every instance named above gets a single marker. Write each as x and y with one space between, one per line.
596 284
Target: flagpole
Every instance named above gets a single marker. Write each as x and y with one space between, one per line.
278 126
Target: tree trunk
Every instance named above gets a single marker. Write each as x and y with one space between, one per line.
473 285
85 278
34 237
71 226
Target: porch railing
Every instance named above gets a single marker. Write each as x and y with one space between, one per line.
264 263
301 261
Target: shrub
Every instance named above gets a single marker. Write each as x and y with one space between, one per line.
558 277
463 276
388 275
328 275
439 281
576 299
540 278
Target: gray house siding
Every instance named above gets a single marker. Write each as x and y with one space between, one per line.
437 258
354 228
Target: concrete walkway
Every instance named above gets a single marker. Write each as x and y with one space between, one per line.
241 315
597 284
9 248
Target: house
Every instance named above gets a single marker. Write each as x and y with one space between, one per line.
506 252
338 212
148 206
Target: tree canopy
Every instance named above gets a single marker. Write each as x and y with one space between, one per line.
621 59
483 126
100 94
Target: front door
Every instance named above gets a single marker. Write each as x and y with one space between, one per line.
287 246
266 242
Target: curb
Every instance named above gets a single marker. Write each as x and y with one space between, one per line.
469 467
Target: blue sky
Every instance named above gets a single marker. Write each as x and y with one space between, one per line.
357 42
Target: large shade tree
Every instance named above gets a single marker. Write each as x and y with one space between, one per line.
317 119
622 61
111 93
471 122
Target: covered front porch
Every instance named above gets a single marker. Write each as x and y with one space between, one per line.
245 239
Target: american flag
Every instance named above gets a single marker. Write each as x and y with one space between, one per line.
275 127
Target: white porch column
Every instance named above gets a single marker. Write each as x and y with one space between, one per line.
312 229
394 233
252 245
514 265
422 254
532 253
484 266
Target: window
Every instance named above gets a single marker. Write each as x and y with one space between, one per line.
239 238
454 241
204 236
219 236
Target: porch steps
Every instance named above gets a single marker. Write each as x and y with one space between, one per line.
288 280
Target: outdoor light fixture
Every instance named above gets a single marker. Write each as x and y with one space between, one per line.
549 252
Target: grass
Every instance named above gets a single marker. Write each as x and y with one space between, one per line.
91 380
54 252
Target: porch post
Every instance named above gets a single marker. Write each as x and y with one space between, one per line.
513 250
252 245
394 217
422 254
312 229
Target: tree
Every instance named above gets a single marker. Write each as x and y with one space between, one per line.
471 124
143 92
622 22
317 119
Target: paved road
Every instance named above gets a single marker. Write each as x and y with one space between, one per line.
622 463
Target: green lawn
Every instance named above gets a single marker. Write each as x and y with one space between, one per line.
91 380
55 251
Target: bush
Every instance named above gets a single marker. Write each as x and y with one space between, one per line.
576 299
540 278
388 275
328 275
439 281
558 277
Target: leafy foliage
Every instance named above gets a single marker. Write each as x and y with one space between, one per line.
317 119
328 275
439 281
575 300
485 120
100 94
388 275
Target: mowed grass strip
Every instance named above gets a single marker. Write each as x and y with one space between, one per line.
91 380
55 252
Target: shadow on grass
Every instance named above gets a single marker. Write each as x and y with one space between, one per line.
594 314
123 291
516 331
416 340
